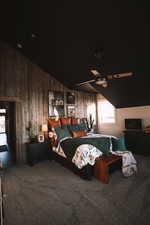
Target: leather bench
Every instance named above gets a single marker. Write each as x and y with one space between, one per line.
104 165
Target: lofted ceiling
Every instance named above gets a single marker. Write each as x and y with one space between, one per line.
61 37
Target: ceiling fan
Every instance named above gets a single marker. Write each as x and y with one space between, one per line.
102 79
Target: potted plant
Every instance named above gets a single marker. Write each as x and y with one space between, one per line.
31 130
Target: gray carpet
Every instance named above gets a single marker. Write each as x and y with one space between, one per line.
49 194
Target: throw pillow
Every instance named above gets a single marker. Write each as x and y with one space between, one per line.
62 132
65 121
79 133
74 120
53 122
119 144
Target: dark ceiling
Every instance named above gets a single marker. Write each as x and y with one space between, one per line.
61 37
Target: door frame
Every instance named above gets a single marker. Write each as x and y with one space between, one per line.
20 154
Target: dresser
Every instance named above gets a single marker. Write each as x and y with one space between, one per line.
137 141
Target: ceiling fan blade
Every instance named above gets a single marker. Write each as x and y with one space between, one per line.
95 72
85 82
87 87
119 75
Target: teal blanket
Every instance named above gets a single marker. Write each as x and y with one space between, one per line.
69 146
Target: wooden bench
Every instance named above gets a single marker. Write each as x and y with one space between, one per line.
104 165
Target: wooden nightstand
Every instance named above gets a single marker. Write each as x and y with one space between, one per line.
38 151
106 164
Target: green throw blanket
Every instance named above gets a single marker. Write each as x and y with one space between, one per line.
69 146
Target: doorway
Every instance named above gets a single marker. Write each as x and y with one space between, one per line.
7 133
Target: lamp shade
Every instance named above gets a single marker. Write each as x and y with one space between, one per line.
44 127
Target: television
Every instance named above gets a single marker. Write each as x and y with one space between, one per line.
133 124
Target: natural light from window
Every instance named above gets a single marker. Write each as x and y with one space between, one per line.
3 140
107 112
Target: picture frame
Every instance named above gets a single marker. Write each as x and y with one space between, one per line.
71 110
70 98
56 106
40 138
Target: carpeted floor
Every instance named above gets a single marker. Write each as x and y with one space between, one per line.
49 194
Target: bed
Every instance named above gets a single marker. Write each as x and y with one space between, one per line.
73 146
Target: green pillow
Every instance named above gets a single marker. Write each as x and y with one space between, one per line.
114 142
62 132
119 144
74 127
82 126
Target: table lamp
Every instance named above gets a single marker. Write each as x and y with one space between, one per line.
45 130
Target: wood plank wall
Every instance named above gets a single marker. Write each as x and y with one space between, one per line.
27 85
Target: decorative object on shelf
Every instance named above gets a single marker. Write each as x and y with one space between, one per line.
70 98
56 103
71 111
40 138
147 129
31 131
89 123
51 134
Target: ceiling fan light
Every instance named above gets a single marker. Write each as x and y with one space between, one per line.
105 84
102 82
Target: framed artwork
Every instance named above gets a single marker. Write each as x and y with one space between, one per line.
56 104
70 98
40 138
71 111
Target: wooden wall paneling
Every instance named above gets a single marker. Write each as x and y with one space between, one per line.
45 98
10 73
39 104
26 101
80 105
26 84
30 96
39 101
2 71
25 98
20 70
20 154
36 82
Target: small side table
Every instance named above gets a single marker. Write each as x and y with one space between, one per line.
102 166
38 151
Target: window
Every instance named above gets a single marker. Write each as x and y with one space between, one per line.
2 110
107 112
3 140
2 124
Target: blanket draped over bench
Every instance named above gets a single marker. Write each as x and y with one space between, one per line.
129 165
